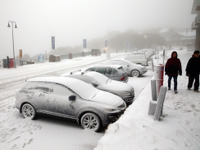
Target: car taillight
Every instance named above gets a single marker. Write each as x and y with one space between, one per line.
122 79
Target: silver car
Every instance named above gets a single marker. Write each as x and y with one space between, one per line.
134 70
69 98
138 58
115 72
125 91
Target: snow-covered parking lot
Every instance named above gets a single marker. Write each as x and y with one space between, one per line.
178 130
46 132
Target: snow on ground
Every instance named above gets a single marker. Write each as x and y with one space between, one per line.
17 133
179 128
50 133
28 71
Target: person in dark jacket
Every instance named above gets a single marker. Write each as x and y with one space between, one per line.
193 70
173 69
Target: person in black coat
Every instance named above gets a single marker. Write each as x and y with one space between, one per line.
173 69
193 71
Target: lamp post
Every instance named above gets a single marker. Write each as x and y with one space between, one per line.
11 24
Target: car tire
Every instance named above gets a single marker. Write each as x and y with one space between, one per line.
135 73
28 111
90 121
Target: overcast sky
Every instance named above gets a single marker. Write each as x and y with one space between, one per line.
70 21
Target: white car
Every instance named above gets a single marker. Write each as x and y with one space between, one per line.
134 70
138 58
100 81
69 98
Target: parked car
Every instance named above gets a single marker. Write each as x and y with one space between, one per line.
100 81
69 98
131 68
115 72
138 58
95 52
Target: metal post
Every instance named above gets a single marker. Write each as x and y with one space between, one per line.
13 22
13 46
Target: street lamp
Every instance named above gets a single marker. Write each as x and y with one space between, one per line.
11 24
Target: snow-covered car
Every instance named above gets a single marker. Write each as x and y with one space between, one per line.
138 58
95 52
124 90
69 98
115 72
131 68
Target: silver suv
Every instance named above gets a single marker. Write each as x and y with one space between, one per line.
69 98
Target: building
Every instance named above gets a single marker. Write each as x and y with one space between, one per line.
196 23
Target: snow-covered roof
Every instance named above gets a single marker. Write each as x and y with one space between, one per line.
60 80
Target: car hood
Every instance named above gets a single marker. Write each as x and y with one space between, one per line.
107 98
119 88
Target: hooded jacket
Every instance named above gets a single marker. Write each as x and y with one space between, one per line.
173 66
193 66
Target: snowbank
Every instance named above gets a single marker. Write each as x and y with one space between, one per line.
178 130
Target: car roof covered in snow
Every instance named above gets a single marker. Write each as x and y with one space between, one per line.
59 80
112 66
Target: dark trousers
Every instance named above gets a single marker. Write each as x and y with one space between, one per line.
175 82
195 79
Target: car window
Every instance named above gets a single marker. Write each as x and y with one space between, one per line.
61 90
121 69
101 70
37 86
109 71
114 71
91 69
84 90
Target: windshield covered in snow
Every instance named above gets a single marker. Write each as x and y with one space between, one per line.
101 78
84 90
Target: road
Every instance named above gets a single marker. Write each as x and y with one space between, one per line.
47 132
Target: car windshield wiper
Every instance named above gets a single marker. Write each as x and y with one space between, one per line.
94 95
107 81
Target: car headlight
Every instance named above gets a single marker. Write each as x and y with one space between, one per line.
111 109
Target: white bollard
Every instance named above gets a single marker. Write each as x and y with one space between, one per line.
160 102
158 76
153 90
152 107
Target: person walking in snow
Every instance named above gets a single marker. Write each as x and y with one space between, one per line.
173 69
193 71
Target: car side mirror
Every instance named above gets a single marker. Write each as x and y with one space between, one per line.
94 83
72 98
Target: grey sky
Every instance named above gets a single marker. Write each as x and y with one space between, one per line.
70 21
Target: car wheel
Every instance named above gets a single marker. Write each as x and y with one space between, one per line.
90 121
135 73
28 111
